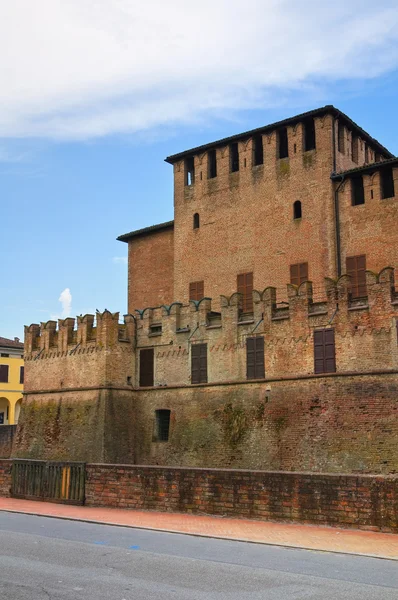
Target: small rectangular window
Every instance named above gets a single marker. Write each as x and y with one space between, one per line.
354 148
4 373
146 367
199 363
356 268
387 183
298 273
309 135
255 358
258 150
212 164
21 374
245 287
234 157
189 171
162 425
357 191
196 290
155 329
3 355
283 146
340 137
324 351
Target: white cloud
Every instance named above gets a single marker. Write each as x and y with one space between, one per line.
81 69
120 260
66 302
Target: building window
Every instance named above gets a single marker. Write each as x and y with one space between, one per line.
357 191
324 351
354 148
356 268
189 171
162 425
245 287
283 146
146 367
21 374
387 183
199 363
366 154
234 157
340 137
309 135
297 214
3 355
212 164
255 358
4 373
298 273
196 221
196 290
258 150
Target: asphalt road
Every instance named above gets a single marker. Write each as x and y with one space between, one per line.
43 558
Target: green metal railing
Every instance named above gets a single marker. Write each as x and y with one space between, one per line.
54 481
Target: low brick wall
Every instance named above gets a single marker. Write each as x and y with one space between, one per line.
365 501
7 433
5 477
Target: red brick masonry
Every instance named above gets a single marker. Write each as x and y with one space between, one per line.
364 501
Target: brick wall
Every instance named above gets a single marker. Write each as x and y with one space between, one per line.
5 477
6 437
368 502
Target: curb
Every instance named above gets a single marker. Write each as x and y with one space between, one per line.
202 535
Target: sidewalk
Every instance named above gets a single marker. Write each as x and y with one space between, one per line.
312 537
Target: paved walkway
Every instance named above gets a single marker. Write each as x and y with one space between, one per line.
313 537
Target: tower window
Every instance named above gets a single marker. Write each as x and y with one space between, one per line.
212 164
196 221
234 157
245 287
324 351
387 183
199 363
309 135
162 425
146 367
258 150
297 214
189 171
357 191
298 273
366 154
340 137
356 268
255 358
283 147
196 290
354 148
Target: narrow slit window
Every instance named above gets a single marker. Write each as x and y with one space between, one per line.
387 183
212 164
189 171
340 137
162 425
309 135
21 374
297 213
354 148
283 146
366 154
357 191
234 157
258 150
196 221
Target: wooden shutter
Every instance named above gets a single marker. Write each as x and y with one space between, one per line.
199 363
324 351
298 273
356 267
146 367
3 373
245 287
196 290
255 358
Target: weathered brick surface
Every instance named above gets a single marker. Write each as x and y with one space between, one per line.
5 477
6 437
339 500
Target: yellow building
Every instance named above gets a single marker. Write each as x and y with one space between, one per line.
11 380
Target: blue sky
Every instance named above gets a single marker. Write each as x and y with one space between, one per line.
96 94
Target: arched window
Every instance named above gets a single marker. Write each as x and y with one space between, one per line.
196 221
297 210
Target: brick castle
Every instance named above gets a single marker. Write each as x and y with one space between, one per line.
262 321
